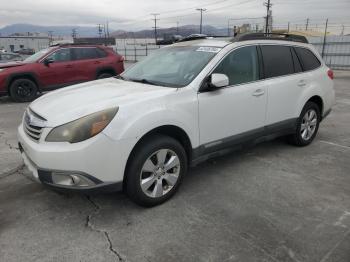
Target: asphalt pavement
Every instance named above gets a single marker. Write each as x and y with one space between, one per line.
273 202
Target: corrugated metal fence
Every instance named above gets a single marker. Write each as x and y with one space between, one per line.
335 50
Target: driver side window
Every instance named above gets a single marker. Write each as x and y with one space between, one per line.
61 55
240 66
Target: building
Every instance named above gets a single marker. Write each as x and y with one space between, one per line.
15 43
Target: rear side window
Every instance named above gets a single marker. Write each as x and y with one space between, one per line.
86 53
277 60
308 60
101 53
296 61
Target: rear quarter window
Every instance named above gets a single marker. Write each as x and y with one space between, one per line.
278 60
307 58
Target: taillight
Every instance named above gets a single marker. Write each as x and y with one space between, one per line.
330 74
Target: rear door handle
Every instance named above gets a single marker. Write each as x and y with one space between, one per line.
258 92
302 83
69 66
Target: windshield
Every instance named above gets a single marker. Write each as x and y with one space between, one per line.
38 55
172 66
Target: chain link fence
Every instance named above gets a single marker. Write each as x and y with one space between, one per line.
332 42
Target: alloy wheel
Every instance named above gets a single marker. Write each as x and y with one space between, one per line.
160 173
308 124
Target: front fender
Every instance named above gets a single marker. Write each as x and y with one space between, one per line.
134 121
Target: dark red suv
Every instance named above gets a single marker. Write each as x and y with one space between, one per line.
56 67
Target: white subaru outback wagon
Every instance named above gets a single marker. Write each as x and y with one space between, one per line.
180 105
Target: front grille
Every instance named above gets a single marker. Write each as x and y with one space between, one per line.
33 132
33 124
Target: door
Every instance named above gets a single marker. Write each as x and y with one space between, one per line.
284 85
237 112
60 70
88 60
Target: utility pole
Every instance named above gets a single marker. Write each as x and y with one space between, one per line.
307 24
177 27
99 28
200 25
107 26
50 34
268 5
324 38
342 30
288 26
155 19
74 33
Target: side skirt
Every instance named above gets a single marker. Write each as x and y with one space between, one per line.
240 141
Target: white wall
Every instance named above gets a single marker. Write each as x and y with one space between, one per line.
27 42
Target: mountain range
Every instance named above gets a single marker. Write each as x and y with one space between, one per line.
86 31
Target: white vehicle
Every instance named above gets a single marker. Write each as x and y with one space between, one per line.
181 105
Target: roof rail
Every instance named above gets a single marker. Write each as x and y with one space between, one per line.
200 36
70 44
270 36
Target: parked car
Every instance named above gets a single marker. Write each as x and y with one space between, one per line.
56 67
179 106
169 39
25 51
9 57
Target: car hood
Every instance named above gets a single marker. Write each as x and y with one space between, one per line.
70 103
12 64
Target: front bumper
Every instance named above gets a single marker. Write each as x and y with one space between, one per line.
98 161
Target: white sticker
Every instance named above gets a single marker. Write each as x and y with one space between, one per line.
208 49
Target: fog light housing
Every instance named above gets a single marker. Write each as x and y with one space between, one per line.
71 179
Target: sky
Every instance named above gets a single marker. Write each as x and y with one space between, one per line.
136 14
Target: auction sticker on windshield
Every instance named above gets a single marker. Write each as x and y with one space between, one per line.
208 49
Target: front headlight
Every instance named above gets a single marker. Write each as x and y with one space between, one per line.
82 128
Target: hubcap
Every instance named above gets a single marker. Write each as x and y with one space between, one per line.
160 173
308 124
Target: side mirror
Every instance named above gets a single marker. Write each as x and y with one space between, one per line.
218 80
48 61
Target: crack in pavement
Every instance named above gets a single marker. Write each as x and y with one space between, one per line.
12 171
104 232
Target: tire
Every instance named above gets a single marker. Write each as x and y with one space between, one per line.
23 90
146 167
104 75
307 125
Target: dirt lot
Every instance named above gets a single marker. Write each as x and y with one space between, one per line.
273 202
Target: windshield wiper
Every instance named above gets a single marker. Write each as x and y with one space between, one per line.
119 77
143 81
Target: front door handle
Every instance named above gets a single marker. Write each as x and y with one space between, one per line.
69 66
258 92
302 83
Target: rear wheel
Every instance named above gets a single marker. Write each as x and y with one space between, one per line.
23 90
307 125
156 170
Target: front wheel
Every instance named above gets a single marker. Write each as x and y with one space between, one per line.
155 170
23 90
307 125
